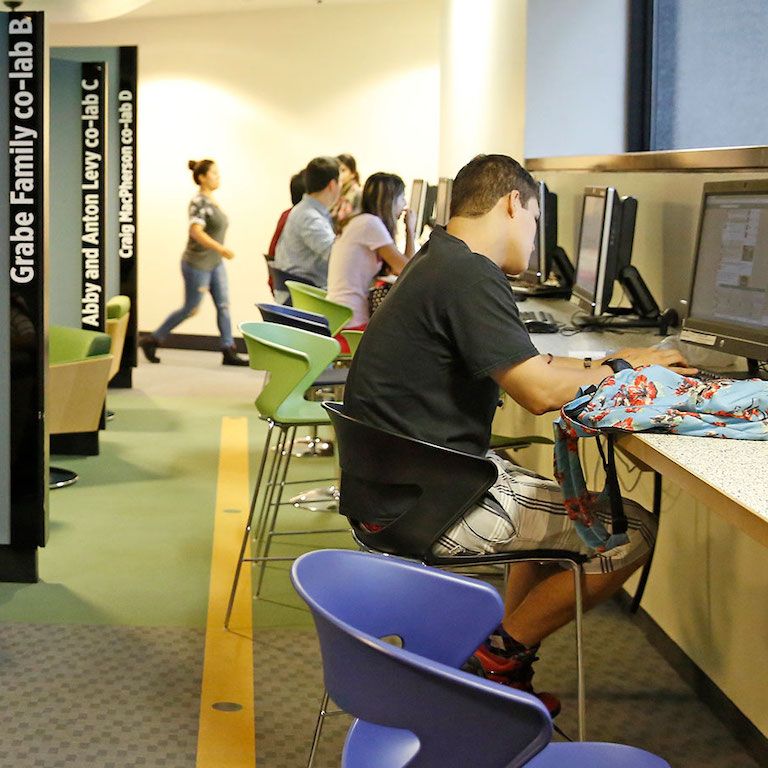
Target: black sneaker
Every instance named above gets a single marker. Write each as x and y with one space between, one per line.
230 357
149 345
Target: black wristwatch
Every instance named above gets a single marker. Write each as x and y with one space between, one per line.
617 364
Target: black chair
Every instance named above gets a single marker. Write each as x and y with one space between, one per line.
427 488
279 288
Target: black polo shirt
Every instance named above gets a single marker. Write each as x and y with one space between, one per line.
424 363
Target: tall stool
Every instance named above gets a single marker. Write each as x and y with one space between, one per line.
293 359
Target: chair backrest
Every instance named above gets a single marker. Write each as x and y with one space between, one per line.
313 299
422 488
353 339
293 357
118 313
69 344
459 719
296 318
118 306
278 279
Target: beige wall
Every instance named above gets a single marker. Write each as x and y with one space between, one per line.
262 93
665 232
482 106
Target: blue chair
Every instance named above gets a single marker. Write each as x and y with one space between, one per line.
416 708
283 314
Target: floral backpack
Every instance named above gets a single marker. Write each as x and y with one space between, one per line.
651 399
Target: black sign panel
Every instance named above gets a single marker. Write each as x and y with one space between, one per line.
27 274
127 220
92 248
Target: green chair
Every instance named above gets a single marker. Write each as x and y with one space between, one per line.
293 359
78 371
118 313
353 339
313 299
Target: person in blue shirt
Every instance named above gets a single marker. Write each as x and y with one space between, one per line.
305 244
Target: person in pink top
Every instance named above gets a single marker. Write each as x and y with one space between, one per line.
367 243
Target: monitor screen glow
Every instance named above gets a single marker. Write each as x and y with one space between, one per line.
589 244
443 201
731 278
417 203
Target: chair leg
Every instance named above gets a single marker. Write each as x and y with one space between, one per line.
248 524
271 484
318 729
657 488
578 577
272 514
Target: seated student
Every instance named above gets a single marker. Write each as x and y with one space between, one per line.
297 192
305 244
350 195
367 242
430 366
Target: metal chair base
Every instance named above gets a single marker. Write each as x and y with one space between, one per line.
58 477
270 485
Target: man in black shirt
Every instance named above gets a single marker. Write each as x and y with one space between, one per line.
430 366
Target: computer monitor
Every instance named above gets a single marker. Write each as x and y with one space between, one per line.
728 305
417 203
605 247
429 205
539 266
443 201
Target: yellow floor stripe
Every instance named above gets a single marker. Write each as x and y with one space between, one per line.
226 738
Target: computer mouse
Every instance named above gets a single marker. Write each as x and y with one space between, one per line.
539 326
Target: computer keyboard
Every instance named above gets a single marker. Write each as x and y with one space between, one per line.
544 317
705 375
539 322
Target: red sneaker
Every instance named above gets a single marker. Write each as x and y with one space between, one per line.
515 672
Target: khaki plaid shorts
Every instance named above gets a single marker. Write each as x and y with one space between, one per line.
522 510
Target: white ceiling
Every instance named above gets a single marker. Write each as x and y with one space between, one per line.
76 11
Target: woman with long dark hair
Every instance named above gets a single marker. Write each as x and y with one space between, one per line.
367 242
202 266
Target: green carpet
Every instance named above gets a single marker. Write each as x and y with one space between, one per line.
130 543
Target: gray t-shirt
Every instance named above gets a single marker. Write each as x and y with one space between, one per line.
203 211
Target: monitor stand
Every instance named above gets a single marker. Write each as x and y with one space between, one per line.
754 371
621 318
564 273
644 312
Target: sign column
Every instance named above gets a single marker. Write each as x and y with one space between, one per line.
92 309
28 449
127 216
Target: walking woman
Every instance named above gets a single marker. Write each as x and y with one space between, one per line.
202 266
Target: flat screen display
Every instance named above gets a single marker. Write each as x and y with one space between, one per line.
731 279
417 201
588 261
443 201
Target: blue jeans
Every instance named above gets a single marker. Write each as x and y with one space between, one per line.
196 283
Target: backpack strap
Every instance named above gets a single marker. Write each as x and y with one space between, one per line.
619 523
